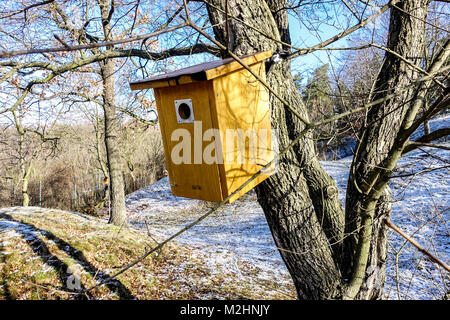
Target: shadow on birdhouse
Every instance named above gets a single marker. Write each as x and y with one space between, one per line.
215 125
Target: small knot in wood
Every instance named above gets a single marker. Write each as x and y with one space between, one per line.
331 191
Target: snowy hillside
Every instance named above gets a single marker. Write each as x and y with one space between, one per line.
229 255
236 243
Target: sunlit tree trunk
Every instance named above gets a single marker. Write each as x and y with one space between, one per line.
112 126
368 195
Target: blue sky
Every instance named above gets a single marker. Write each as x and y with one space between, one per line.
302 37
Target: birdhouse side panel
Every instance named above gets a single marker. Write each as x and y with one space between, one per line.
241 109
184 116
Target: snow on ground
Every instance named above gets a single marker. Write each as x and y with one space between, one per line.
236 238
234 241
420 208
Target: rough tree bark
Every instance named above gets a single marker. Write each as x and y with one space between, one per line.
301 201
25 169
368 195
25 180
113 154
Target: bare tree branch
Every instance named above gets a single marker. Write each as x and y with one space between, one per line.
8 54
344 33
27 8
417 245
426 139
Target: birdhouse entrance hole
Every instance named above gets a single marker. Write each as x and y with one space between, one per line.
184 111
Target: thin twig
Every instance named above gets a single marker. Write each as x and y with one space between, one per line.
417 245
419 172
344 33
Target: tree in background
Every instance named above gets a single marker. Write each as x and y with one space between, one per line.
24 140
317 94
351 90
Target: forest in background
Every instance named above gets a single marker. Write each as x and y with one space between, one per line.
68 173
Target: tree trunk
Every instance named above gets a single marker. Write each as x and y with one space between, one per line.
368 196
98 145
25 179
289 197
25 172
426 127
112 128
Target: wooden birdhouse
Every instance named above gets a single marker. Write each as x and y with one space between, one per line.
215 126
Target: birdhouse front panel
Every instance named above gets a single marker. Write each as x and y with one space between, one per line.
188 109
215 125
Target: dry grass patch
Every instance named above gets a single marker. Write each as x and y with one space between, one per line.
44 252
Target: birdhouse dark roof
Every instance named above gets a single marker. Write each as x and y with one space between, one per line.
200 72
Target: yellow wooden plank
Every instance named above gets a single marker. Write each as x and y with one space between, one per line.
198 181
215 125
162 120
242 102
146 85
